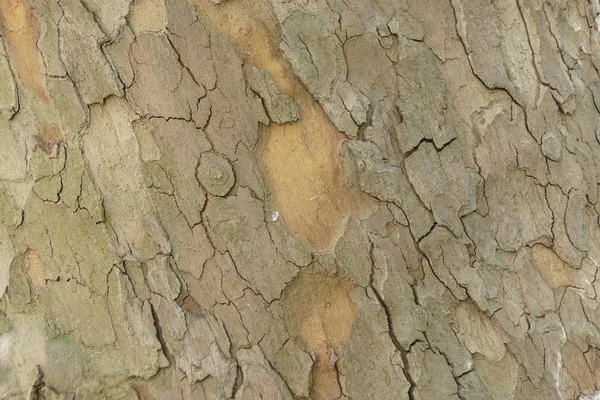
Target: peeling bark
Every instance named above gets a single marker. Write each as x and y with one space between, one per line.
315 199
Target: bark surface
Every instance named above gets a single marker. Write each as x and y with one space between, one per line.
294 199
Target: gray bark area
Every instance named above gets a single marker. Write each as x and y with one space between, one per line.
293 199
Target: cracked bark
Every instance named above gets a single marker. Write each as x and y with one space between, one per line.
289 200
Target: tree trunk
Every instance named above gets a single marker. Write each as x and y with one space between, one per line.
324 199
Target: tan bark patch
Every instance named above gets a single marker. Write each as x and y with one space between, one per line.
20 28
300 158
555 272
35 269
147 16
319 313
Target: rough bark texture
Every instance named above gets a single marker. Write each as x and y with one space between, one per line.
292 199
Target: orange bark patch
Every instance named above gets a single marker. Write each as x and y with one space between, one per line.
319 313
20 28
304 172
301 158
48 137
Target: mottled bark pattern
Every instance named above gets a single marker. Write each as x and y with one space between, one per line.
294 199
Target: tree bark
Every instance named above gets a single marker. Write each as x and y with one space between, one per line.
324 199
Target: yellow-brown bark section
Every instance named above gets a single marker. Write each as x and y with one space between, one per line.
20 29
319 313
300 158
